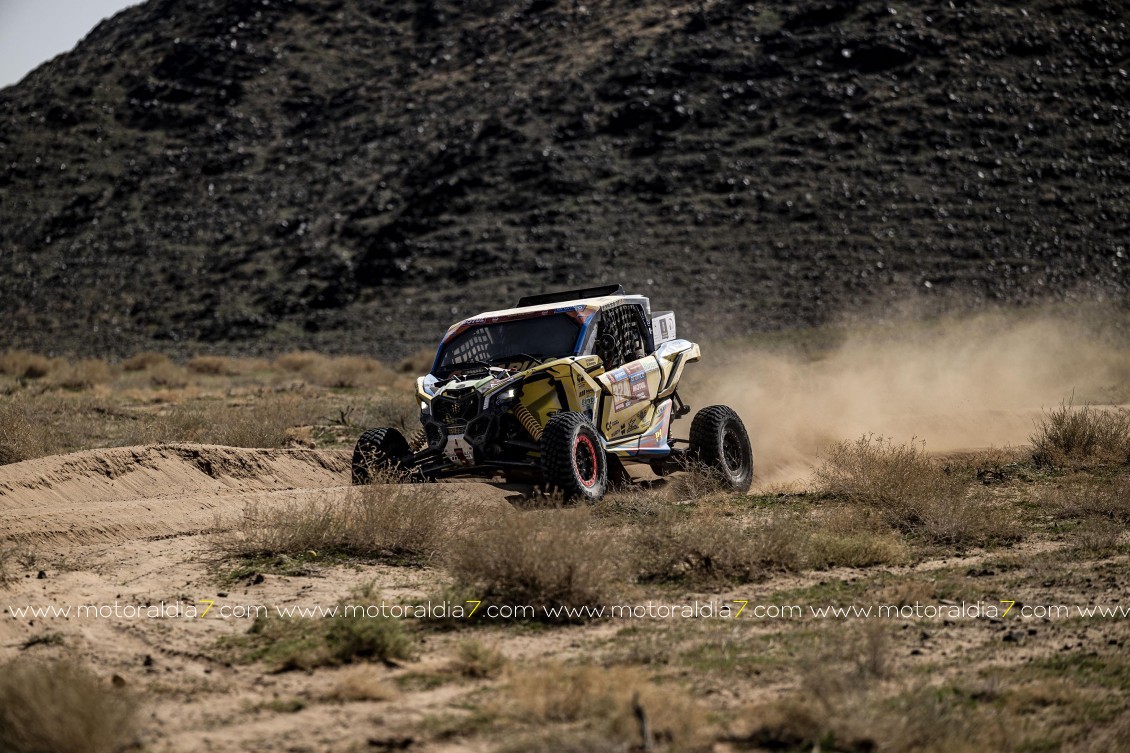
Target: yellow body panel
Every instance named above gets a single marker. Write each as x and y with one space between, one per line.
629 407
580 390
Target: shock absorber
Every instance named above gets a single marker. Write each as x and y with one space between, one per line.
529 423
419 440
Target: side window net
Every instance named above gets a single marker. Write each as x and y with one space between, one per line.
619 339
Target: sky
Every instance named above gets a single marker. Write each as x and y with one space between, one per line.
34 31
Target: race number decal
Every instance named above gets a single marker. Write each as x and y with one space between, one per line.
628 386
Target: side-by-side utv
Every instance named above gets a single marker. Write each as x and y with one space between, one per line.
561 388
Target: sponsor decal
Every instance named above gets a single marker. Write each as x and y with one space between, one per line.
628 386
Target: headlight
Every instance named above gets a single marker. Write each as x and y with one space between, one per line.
500 398
424 406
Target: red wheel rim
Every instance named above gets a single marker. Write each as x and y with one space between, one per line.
584 461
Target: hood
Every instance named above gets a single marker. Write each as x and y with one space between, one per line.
481 383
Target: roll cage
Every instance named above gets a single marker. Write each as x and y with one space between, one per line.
614 326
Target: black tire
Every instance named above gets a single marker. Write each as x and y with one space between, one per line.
719 441
379 450
572 457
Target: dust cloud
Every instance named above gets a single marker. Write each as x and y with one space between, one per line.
956 384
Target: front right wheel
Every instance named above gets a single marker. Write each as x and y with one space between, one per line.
572 457
720 442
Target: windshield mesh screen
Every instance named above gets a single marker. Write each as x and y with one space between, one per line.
542 337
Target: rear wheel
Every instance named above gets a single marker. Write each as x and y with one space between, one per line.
719 441
572 457
377 451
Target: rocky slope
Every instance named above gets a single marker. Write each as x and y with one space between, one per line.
256 175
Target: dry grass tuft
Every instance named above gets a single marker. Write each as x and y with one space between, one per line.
61 707
402 523
992 465
1087 498
394 408
144 361
698 547
348 372
848 536
877 472
851 700
916 721
309 642
349 637
1082 436
24 365
360 683
913 493
540 559
704 547
36 423
478 661
696 482
567 740
1097 538
262 423
417 363
355 631
606 703
168 375
338 372
631 505
298 360
82 374
23 435
970 521
213 366
7 560
265 422
1108 738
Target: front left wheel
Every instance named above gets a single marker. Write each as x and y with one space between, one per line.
379 451
573 458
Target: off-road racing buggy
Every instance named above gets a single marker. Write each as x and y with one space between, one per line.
563 389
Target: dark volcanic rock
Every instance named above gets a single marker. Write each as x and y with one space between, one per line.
255 175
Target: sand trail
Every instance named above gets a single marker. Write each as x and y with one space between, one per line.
120 494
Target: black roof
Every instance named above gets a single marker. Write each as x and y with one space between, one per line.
570 295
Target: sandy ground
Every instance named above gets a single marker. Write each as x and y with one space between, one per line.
110 496
130 526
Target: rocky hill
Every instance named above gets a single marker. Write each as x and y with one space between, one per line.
257 175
